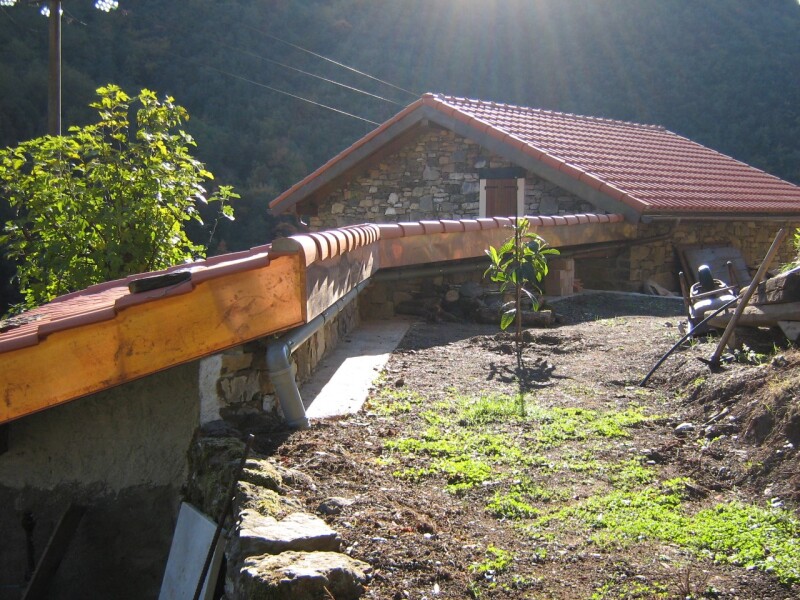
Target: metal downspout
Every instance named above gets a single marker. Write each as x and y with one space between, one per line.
279 359
279 351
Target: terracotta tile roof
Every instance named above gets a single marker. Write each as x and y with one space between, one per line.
102 302
646 167
656 169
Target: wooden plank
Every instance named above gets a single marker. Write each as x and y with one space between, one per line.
54 553
144 339
782 288
765 315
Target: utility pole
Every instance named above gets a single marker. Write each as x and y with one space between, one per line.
54 77
52 9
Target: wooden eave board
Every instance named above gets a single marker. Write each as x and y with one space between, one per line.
439 247
147 338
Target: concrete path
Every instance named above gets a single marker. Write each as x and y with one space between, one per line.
340 383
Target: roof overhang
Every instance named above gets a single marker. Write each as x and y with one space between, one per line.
109 335
728 216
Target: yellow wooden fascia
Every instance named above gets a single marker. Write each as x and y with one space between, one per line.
145 338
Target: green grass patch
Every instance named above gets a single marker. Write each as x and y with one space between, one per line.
631 475
560 425
511 505
467 441
632 590
766 538
497 561
389 401
487 409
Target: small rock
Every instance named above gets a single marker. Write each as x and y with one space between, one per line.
779 361
261 473
684 429
302 576
724 473
295 478
334 505
257 534
264 501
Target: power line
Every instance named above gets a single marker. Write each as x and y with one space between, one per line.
285 66
336 110
330 60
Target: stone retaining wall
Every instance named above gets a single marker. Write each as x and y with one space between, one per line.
277 548
626 269
434 176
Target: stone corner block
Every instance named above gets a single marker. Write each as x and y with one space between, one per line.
300 532
302 576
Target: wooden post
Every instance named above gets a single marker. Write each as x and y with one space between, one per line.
773 250
54 78
54 553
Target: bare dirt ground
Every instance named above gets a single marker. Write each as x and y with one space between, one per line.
453 485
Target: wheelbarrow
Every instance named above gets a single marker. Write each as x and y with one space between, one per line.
704 297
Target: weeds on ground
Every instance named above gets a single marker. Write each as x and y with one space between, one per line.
496 562
747 355
394 401
764 538
631 590
464 449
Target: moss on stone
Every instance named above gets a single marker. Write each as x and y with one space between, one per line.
261 473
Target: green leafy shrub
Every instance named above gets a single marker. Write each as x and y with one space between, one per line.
107 200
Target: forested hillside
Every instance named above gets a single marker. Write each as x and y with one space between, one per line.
724 73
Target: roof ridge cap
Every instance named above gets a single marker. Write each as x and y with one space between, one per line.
528 109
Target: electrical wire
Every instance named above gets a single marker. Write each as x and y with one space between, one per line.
291 68
264 85
330 60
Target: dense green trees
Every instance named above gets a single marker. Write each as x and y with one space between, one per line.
106 200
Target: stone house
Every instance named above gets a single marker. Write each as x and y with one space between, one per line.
452 158
104 389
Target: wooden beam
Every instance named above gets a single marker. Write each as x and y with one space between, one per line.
54 553
765 315
439 247
146 338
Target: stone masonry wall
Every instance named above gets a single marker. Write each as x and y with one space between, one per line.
627 269
434 176
378 300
